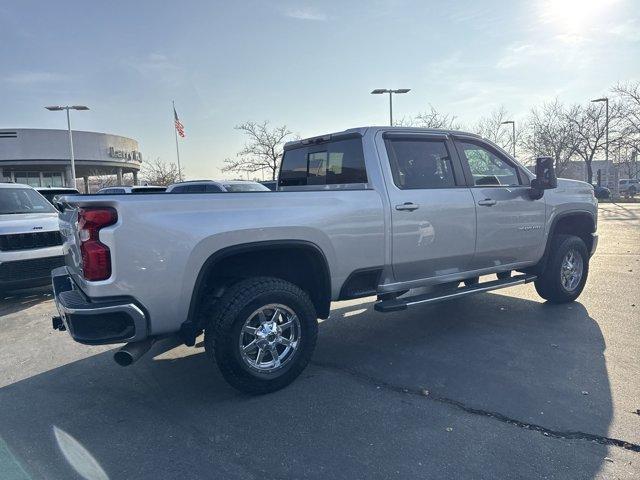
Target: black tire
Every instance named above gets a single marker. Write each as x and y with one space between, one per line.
225 323
503 275
549 284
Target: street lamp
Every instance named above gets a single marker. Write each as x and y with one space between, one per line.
56 108
380 91
606 140
513 134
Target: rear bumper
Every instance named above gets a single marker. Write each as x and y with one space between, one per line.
96 321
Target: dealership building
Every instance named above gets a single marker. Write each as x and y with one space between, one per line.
41 158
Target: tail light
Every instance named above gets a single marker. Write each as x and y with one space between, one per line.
96 257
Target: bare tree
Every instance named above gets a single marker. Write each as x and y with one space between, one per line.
628 134
549 132
492 129
158 172
101 180
629 94
590 126
263 150
432 118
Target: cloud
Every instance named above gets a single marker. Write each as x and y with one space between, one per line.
30 78
629 30
516 54
156 63
305 13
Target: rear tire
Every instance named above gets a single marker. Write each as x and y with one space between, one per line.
565 273
261 333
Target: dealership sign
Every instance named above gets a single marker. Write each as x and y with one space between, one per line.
125 155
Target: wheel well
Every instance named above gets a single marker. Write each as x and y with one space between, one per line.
579 224
300 263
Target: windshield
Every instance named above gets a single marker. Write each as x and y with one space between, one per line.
23 200
245 187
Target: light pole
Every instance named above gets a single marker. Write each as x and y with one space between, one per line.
380 91
606 139
56 108
513 134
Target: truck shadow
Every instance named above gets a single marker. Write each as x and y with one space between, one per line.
172 415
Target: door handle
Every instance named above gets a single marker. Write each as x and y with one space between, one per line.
408 206
487 202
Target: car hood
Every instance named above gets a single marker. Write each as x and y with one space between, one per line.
28 223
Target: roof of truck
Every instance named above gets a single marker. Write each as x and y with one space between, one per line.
363 130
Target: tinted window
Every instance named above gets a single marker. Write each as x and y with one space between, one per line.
245 187
211 188
420 164
147 189
331 163
488 168
198 188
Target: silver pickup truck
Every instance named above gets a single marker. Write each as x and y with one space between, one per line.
412 216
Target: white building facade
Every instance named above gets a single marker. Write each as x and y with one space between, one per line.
41 157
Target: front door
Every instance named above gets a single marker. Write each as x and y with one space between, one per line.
511 226
433 215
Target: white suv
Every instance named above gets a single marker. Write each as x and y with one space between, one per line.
131 189
30 241
629 186
213 186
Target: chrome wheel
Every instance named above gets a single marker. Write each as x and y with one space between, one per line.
269 338
571 270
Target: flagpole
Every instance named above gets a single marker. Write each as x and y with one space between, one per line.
175 131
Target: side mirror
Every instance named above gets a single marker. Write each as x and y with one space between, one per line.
545 177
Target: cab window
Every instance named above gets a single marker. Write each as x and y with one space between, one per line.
420 164
487 168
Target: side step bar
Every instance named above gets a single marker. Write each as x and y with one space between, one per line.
397 304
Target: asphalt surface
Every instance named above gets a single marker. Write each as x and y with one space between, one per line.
500 385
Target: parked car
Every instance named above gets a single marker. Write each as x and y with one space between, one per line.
270 184
51 192
132 189
629 186
213 186
30 241
601 192
368 211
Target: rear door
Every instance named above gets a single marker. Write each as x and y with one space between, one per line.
432 210
511 225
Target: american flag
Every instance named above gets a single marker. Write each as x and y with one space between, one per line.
179 126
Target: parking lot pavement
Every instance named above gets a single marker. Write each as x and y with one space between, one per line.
499 385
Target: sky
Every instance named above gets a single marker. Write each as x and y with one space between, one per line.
309 65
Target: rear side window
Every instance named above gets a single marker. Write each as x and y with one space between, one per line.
420 164
330 163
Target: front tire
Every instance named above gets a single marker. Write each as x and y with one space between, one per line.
566 271
262 333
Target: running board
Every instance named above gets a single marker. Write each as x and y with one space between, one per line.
435 297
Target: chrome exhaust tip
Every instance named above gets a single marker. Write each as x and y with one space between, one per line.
132 352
